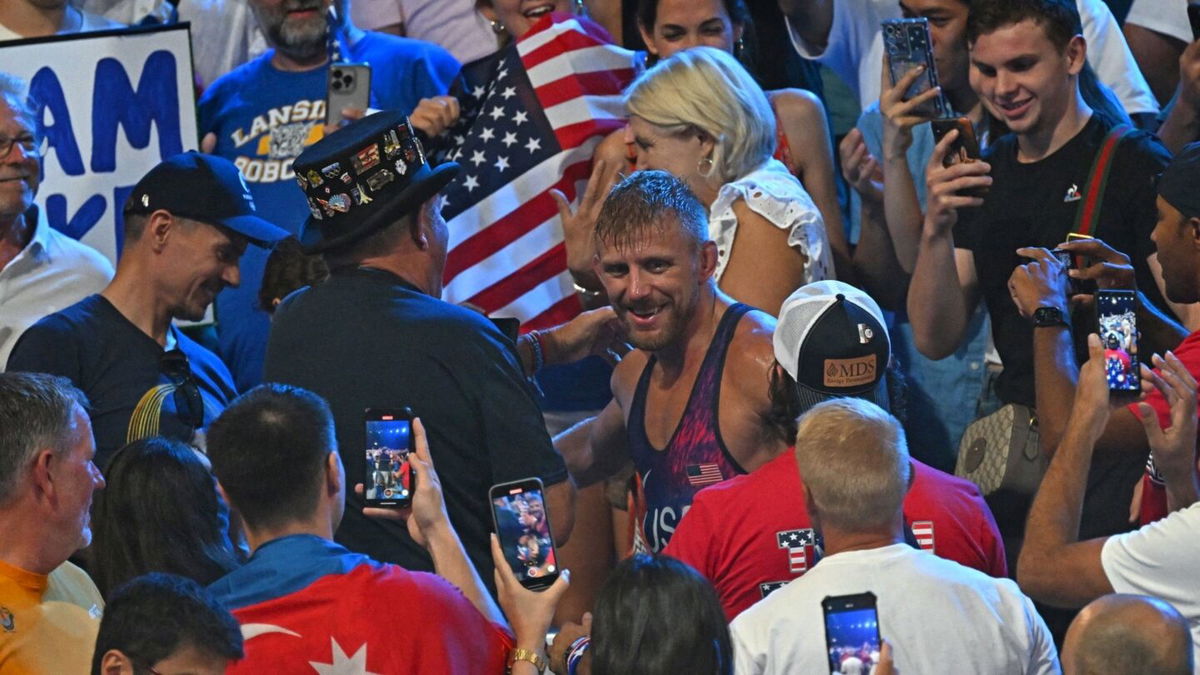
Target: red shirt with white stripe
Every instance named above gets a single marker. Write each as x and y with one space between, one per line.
751 534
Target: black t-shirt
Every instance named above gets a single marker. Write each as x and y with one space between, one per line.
1029 205
116 364
365 338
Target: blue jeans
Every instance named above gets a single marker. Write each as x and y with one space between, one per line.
944 396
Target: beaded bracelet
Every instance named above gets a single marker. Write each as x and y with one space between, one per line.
539 358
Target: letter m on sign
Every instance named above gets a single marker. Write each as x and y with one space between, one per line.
154 103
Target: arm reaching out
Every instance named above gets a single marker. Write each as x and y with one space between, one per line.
429 525
1054 566
530 611
942 293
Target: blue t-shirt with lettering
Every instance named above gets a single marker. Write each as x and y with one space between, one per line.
263 119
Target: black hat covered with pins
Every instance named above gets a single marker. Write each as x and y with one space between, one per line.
364 177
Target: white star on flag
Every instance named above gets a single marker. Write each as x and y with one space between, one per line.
471 183
509 139
521 117
509 92
477 158
497 112
501 163
343 664
533 145
487 134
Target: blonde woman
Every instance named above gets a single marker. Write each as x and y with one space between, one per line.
700 116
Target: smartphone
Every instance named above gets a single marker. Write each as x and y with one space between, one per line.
349 86
389 479
519 512
964 149
908 45
1116 313
510 326
1194 17
851 632
966 146
1067 260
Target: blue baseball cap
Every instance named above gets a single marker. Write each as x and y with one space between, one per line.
206 188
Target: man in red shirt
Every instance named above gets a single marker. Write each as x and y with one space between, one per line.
752 534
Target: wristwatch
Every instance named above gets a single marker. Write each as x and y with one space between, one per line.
522 654
1048 316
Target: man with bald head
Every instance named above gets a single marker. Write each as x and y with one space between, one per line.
1125 633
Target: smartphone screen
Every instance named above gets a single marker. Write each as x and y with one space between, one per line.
851 632
388 481
908 45
519 510
348 86
1117 313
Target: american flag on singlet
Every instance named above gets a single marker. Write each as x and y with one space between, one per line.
531 117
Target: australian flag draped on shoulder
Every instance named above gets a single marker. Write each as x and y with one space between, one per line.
531 116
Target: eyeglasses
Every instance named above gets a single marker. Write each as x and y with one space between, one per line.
189 405
27 142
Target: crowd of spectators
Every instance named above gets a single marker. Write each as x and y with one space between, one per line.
727 445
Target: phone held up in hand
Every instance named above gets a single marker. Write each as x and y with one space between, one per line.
389 479
348 86
851 632
964 148
908 45
1116 313
523 527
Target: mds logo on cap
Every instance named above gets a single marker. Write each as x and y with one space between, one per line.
854 372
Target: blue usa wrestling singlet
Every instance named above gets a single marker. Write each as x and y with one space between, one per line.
694 458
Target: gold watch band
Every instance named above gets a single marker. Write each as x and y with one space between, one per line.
522 654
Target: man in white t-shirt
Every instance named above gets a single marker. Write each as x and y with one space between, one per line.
933 611
845 36
1160 559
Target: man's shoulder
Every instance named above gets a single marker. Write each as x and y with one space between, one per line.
389 307
937 482
203 357
77 257
1140 148
231 82
333 580
1188 351
755 331
85 316
393 47
751 350
69 583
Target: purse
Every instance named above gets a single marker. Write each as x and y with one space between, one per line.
1001 451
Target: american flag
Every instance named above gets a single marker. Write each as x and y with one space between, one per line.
923 532
768 587
796 542
704 474
531 117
